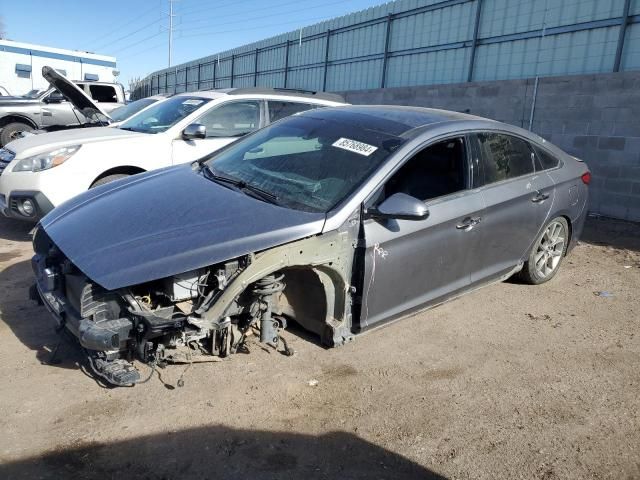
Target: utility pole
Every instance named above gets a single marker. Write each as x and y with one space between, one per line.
171 15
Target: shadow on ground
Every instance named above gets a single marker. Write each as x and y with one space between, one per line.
612 232
219 452
15 230
31 323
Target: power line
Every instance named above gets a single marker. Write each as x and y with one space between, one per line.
259 27
236 14
129 34
215 7
139 41
112 31
244 20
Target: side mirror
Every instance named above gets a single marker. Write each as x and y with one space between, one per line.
400 206
193 131
54 97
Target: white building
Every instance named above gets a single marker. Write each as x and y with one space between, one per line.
21 66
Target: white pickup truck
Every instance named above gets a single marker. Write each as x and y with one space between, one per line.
51 109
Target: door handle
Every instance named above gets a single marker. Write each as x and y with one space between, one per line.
540 197
468 223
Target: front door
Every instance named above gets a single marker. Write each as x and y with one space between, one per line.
413 263
224 123
56 110
517 201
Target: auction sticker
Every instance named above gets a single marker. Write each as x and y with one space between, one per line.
355 146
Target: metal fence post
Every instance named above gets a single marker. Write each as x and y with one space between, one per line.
199 67
623 31
474 41
326 61
215 71
255 70
385 58
233 61
286 63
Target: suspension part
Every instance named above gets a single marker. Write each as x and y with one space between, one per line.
265 289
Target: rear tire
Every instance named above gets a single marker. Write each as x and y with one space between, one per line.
10 131
547 253
108 179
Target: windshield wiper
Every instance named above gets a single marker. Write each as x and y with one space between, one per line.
242 186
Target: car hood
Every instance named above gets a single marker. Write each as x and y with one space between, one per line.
166 222
35 144
75 95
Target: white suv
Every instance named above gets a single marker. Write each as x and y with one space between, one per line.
38 173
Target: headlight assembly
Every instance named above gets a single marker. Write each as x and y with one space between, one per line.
46 160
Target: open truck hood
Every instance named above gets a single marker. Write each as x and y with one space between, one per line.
166 222
83 103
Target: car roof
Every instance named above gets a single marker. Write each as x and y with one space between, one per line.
390 119
267 92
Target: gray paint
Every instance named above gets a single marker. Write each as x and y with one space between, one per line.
593 117
173 220
166 222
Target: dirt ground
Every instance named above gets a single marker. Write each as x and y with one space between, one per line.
511 381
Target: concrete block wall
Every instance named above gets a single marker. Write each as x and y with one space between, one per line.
594 117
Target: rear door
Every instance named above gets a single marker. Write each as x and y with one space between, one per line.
412 263
517 198
225 123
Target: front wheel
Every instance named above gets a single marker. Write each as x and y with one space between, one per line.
547 253
12 131
108 179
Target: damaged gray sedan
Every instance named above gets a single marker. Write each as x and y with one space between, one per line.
338 219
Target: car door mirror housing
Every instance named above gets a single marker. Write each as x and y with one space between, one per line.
400 206
194 131
54 97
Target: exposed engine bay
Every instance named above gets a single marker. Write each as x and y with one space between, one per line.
172 320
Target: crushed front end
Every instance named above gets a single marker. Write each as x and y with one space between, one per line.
204 313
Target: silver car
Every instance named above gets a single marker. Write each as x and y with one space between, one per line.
339 219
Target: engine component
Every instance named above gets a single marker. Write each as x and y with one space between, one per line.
117 372
104 335
185 286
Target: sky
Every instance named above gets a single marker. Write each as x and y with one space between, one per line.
136 31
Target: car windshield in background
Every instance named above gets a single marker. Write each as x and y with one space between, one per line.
33 94
164 115
304 163
122 113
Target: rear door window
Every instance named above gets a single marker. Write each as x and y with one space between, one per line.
233 119
278 110
103 93
504 156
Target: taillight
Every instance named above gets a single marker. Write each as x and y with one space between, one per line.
586 178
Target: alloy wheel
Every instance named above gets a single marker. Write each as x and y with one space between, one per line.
550 249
